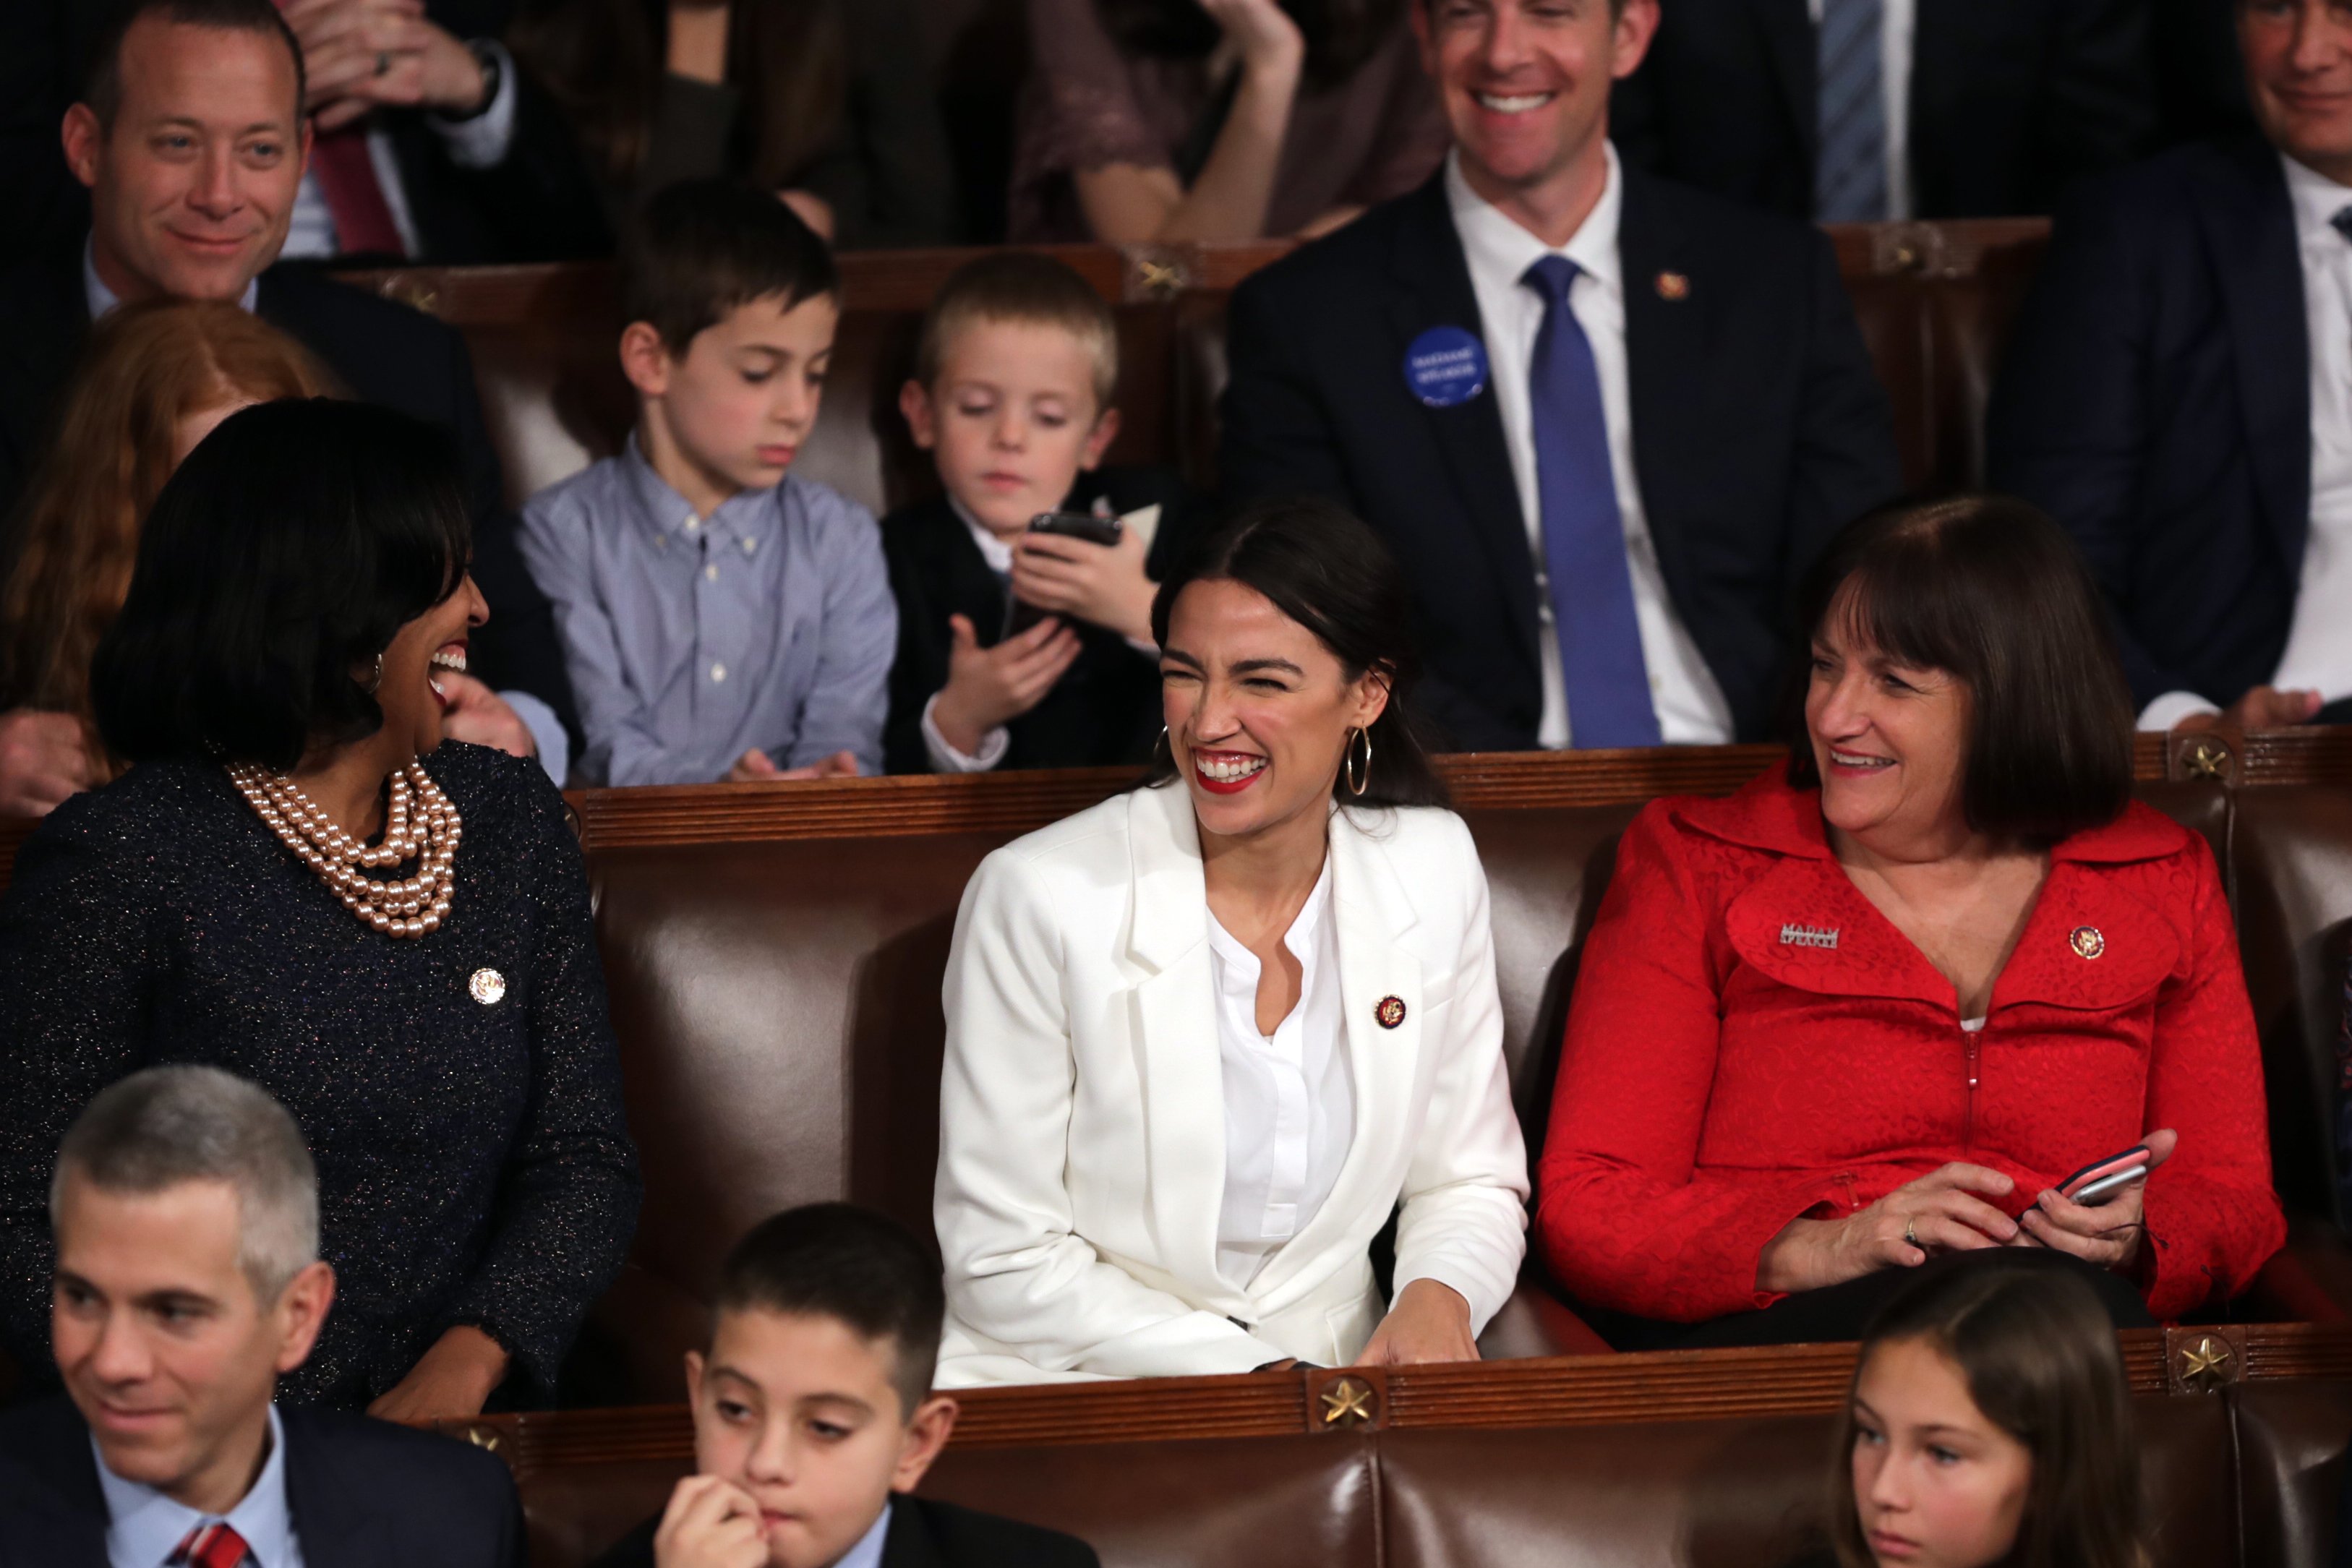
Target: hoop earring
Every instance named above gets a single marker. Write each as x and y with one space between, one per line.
375 680
1358 777
1161 745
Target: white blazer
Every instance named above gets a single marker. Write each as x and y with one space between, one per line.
1081 1155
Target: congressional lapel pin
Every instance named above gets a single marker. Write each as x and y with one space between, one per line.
2086 942
1388 1011
1445 367
489 986
1674 287
1795 935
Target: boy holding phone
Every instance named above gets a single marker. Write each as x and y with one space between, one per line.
813 1418
1024 591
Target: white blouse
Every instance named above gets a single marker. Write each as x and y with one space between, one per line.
1290 1102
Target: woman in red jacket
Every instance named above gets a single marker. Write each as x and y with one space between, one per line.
1871 1011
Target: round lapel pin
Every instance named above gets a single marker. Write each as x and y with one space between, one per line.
2087 941
1388 1012
489 986
1445 367
1673 286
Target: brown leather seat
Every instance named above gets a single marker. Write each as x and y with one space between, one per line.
2290 863
2247 1477
778 1009
2290 1450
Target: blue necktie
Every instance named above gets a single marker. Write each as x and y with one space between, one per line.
1583 532
1849 174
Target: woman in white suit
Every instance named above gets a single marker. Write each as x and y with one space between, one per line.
1204 1038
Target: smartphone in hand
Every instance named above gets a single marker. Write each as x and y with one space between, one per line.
2102 1179
1107 532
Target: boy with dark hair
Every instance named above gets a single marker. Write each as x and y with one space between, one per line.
721 618
1012 394
813 1416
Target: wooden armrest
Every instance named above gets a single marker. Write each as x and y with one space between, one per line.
1534 1323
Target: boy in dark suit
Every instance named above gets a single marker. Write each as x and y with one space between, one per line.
814 1416
1013 397
188 1279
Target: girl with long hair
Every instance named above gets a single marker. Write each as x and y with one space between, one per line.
155 380
1989 1423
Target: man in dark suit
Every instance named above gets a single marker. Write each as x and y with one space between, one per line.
2179 395
1956 108
191 149
188 1280
1605 423
435 145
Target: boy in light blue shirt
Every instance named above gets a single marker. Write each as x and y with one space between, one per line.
721 619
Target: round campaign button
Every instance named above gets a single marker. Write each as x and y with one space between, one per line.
1445 367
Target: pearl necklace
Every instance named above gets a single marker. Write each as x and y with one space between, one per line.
420 824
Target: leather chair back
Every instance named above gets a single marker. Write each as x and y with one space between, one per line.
2290 1442
2291 856
781 1029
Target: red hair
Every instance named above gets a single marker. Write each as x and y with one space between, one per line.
147 368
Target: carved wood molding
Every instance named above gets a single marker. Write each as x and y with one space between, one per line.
1019 803
1004 803
1574 1391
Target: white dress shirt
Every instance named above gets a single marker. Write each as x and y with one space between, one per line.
143 1527
2318 655
1290 1105
481 142
868 1553
1898 23
1690 704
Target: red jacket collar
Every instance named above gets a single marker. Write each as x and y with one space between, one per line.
1770 814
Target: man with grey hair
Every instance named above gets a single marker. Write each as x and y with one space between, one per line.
185 1209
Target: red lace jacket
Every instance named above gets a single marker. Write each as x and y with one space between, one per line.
1752 1042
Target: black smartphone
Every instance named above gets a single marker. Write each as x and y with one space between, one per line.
1107 532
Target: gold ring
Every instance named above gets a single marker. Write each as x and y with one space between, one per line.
1910 1237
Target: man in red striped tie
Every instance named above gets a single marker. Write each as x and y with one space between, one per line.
185 1209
